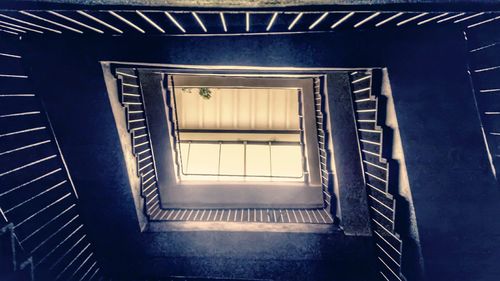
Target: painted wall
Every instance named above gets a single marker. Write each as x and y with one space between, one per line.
453 189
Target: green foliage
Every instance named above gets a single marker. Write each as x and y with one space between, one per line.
205 93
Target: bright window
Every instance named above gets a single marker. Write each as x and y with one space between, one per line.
239 134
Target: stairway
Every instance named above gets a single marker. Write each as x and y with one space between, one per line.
131 99
370 122
483 44
38 201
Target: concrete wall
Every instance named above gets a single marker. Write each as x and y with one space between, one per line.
78 104
454 194
350 188
412 259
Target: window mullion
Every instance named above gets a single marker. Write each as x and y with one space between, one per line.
187 160
220 149
244 159
270 161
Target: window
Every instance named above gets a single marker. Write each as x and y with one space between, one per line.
239 134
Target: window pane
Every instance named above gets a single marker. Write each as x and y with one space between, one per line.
286 160
258 163
203 159
232 159
238 109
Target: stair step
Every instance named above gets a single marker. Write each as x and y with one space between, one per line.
248 215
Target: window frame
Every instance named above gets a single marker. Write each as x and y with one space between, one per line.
185 81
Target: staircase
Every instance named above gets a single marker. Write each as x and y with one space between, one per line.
483 43
131 98
42 233
132 102
369 114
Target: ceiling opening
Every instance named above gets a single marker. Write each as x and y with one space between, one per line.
239 133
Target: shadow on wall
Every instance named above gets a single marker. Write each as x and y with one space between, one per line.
405 223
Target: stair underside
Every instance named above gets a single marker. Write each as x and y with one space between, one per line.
310 216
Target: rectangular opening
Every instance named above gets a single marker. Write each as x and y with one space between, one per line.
231 141
239 133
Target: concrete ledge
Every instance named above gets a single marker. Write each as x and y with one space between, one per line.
242 227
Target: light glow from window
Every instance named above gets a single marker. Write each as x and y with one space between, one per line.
239 134
240 162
